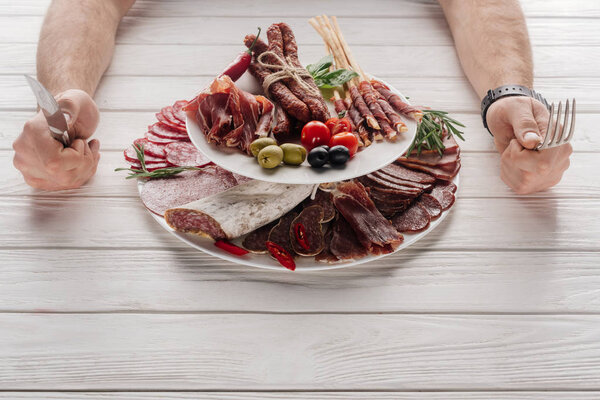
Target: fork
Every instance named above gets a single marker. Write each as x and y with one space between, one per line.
556 131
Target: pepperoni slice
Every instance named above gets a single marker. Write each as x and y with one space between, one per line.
151 149
131 156
185 154
164 131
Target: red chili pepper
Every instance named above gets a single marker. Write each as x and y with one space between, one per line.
300 232
241 63
281 255
230 248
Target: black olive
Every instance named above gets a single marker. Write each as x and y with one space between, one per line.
338 155
324 147
318 157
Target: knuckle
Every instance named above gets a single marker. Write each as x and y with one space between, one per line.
543 167
52 165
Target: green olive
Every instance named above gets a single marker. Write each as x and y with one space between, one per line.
293 154
270 156
261 143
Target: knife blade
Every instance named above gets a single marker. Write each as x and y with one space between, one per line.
51 110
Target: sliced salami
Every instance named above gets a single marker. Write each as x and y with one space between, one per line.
444 197
414 219
163 119
280 234
151 149
306 233
178 112
158 195
430 203
131 156
164 131
325 200
256 241
159 140
445 185
185 154
150 167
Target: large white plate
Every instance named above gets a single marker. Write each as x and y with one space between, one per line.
302 263
370 159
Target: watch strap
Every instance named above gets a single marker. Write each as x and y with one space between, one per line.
500 92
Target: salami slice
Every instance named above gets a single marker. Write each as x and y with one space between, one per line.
325 200
131 156
444 197
164 131
170 116
414 219
256 241
178 112
445 185
430 203
159 140
185 154
306 233
163 119
158 195
151 149
149 167
280 234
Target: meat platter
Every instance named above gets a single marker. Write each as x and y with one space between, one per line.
270 179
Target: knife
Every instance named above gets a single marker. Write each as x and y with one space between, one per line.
52 112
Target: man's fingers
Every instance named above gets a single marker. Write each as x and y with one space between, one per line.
83 112
525 126
72 157
95 148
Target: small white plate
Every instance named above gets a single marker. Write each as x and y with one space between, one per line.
302 263
370 159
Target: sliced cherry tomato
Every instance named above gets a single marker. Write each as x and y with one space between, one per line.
343 125
300 232
230 248
281 255
331 123
346 139
314 133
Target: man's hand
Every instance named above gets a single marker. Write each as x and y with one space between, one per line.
518 125
44 162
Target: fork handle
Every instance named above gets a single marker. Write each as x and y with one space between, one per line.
494 95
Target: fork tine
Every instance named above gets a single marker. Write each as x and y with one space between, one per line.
563 128
548 130
572 128
552 141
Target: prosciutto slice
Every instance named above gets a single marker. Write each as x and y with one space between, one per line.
372 229
395 100
230 116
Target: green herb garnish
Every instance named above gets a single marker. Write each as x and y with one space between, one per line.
326 79
431 130
157 173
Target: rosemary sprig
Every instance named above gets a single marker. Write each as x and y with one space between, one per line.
157 173
431 130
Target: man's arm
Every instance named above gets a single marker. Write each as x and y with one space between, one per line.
77 42
75 47
492 43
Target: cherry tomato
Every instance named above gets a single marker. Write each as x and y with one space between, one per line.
314 133
331 123
343 125
346 139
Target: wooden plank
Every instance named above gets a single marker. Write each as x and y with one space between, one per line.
231 30
122 93
520 395
275 8
185 280
382 61
474 224
117 129
298 352
480 178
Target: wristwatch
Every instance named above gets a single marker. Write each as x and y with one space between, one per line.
507 91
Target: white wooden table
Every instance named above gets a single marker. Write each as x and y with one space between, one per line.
502 301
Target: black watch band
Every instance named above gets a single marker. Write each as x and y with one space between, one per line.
506 91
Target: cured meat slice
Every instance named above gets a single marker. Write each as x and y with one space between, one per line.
237 211
445 185
439 173
256 241
164 131
387 177
344 244
280 233
414 219
306 232
388 187
158 195
165 116
371 228
241 178
150 167
131 156
151 149
444 196
401 172
395 100
283 124
430 203
447 161
185 154
395 119
361 106
326 256
159 140
450 146
325 200
178 112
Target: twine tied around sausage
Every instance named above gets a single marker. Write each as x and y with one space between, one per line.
284 70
